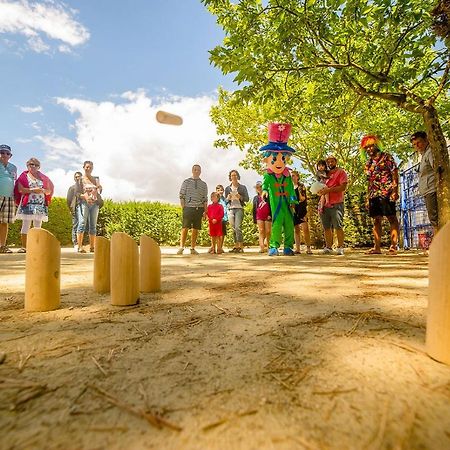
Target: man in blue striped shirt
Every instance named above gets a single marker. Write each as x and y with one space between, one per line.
194 203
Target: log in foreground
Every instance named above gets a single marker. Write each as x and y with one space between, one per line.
438 315
42 271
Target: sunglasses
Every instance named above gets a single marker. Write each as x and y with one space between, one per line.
5 153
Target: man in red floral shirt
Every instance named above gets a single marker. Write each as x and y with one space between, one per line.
382 176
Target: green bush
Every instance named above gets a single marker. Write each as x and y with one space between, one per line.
162 222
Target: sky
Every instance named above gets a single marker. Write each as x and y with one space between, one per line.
83 80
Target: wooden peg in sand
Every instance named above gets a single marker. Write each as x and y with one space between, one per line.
42 271
168 118
124 270
102 265
438 314
149 265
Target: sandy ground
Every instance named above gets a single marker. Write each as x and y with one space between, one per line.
236 352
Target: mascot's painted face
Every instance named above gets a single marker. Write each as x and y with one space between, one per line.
276 161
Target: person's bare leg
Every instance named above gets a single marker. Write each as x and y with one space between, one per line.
3 234
377 233
306 235
80 237
194 235
261 234
183 237
92 241
328 232
395 231
340 237
297 237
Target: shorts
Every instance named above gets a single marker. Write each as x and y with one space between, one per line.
381 206
333 216
7 209
432 208
192 217
300 214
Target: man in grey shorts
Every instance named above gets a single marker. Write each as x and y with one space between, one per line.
8 176
427 179
332 216
194 203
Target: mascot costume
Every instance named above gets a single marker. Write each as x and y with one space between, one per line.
277 183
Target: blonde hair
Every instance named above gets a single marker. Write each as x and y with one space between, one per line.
35 161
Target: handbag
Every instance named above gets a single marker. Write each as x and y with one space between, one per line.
100 202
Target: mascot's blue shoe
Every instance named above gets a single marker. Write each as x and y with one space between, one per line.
272 252
288 252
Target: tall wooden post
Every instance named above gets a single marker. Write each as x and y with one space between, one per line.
102 269
149 265
42 271
124 270
438 316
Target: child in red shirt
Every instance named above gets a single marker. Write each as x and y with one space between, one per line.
215 216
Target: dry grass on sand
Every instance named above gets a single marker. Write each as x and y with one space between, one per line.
238 351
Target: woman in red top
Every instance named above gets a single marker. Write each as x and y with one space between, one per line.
215 216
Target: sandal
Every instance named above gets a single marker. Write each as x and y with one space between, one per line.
5 249
372 251
22 250
391 251
81 250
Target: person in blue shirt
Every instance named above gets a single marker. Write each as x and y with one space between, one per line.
8 176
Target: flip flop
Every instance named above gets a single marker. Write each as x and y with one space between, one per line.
391 251
372 251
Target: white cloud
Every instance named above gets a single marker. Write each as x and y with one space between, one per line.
30 109
36 20
136 157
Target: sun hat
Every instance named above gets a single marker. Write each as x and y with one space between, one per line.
278 136
5 147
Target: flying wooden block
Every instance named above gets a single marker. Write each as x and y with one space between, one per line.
124 270
438 316
168 118
149 265
42 271
102 265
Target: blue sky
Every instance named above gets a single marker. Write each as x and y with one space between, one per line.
83 80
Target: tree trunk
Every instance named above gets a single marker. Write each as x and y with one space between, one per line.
439 150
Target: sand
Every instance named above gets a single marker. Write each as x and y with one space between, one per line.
238 351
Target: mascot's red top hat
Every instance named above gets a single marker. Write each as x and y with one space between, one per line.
278 136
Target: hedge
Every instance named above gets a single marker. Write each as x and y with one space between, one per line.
162 222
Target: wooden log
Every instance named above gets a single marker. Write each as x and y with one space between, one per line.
102 265
124 270
168 118
42 271
149 265
438 315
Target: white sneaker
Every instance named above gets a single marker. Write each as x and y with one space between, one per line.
327 251
340 251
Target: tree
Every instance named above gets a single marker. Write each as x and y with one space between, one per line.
378 49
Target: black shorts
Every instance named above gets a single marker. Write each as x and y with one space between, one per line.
432 208
192 217
381 206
